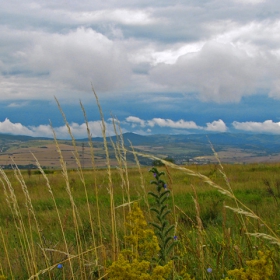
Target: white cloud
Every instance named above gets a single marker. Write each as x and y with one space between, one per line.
70 46
14 128
78 130
172 124
219 72
124 16
62 65
78 58
17 104
236 60
253 2
135 120
267 126
214 50
218 126
170 56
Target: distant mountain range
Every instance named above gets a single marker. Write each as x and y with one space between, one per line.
233 147
196 148
265 142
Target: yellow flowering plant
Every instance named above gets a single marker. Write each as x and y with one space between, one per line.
258 269
137 261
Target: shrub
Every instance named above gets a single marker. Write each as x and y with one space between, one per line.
258 269
138 261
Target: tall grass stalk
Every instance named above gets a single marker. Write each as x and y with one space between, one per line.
7 255
72 202
175 218
82 179
31 211
110 183
123 152
142 182
69 258
25 246
200 235
57 213
121 159
96 192
237 203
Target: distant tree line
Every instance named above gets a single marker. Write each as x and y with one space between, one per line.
160 163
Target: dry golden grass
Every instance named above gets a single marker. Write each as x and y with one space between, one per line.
48 157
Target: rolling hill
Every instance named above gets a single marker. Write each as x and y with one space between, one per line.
184 149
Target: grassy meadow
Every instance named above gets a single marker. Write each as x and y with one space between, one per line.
121 222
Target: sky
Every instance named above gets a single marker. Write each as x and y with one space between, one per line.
170 67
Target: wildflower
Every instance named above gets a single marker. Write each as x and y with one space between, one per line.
175 237
260 268
60 266
209 270
155 175
165 186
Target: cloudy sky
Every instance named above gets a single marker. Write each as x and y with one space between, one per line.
193 66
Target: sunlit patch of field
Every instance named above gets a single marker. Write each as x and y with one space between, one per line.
48 156
241 156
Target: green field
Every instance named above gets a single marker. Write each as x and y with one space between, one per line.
76 219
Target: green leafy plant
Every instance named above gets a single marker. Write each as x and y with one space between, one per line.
163 229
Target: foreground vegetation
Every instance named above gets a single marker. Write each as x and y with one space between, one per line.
174 222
